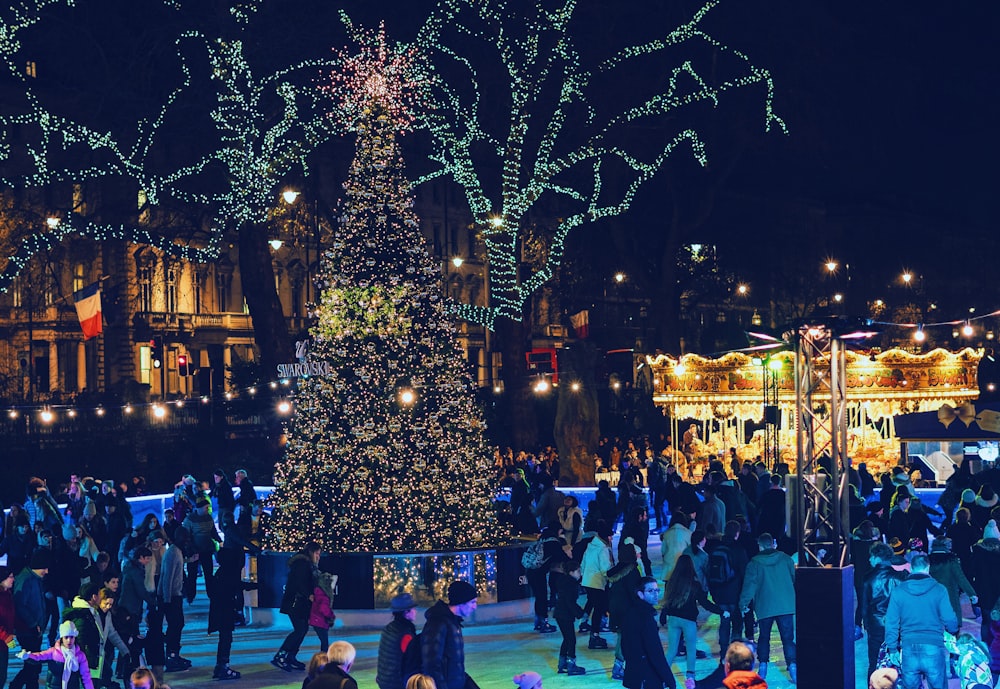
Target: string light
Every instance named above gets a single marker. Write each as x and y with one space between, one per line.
457 132
369 464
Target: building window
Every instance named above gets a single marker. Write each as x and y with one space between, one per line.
31 69
196 289
78 283
222 292
50 290
16 293
145 364
145 288
171 288
79 202
142 205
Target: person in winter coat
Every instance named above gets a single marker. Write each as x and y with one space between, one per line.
520 503
170 597
222 491
947 571
566 612
605 502
132 594
222 588
7 620
538 577
986 500
636 527
204 541
712 512
18 543
442 648
321 615
30 613
874 601
725 586
994 645
296 602
985 565
770 584
335 674
674 541
597 560
571 520
918 615
93 630
737 666
623 579
681 599
645 665
68 666
393 641
862 538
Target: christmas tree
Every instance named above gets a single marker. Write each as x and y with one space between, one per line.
386 451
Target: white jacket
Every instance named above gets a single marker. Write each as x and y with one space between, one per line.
596 563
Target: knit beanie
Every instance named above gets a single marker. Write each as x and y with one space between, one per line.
991 530
527 680
968 496
460 592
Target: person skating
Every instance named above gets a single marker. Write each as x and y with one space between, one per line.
68 667
875 592
442 645
681 599
566 612
770 583
597 560
394 640
296 602
30 615
645 665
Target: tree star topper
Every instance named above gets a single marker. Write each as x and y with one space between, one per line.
380 80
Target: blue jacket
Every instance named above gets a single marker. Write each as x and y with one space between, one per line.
919 612
29 601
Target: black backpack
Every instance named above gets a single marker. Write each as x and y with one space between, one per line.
413 658
720 567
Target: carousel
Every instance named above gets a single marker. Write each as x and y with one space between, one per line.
719 403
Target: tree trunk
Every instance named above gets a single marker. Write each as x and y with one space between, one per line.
577 416
257 277
512 336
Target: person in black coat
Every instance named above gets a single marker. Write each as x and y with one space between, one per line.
296 602
442 646
566 612
645 665
552 548
335 674
394 640
222 491
222 588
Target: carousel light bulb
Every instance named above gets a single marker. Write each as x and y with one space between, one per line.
920 336
967 329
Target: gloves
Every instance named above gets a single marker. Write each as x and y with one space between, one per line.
725 613
11 643
22 654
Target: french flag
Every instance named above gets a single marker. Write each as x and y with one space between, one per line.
88 310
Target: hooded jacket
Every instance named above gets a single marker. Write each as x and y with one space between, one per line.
878 586
295 600
947 571
919 613
442 647
29 601
596 563
985 565
770 583
94 632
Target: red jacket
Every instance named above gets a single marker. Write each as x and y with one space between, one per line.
321 614
6 615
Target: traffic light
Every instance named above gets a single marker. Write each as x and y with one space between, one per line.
156 351
182 365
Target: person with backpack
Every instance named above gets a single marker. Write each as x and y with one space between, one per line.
395 638
537 559
727 564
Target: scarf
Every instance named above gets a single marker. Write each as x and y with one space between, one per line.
71 664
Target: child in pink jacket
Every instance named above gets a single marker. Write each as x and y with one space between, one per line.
68 668
321 615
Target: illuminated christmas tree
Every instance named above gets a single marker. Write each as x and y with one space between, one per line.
386 451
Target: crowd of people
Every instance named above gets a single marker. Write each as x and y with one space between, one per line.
81 578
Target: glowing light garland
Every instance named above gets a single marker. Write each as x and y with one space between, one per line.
256 152
386 452
453 120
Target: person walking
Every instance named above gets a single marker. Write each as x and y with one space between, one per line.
985 565
170 594
727 565
770 583
597 560
321 615
296 602
947 571
394 640
442 645
919 613
645 665
566 612
681 599
30 615
874 601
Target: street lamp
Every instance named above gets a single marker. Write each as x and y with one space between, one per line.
831 266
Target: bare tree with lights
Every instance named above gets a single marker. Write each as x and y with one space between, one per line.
386 451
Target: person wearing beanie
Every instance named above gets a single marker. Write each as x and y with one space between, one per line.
18 543
947 571
985 565
528 680
30 613
986 500
67 663
876 588
442 647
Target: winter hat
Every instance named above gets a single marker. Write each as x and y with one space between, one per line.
67 628
968 496
201 502
987 496
527 680
402 602
902 492
898 547
460 592
991 530
883 678
41 559
941 544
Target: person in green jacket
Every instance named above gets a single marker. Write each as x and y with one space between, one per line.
770 584
946 569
